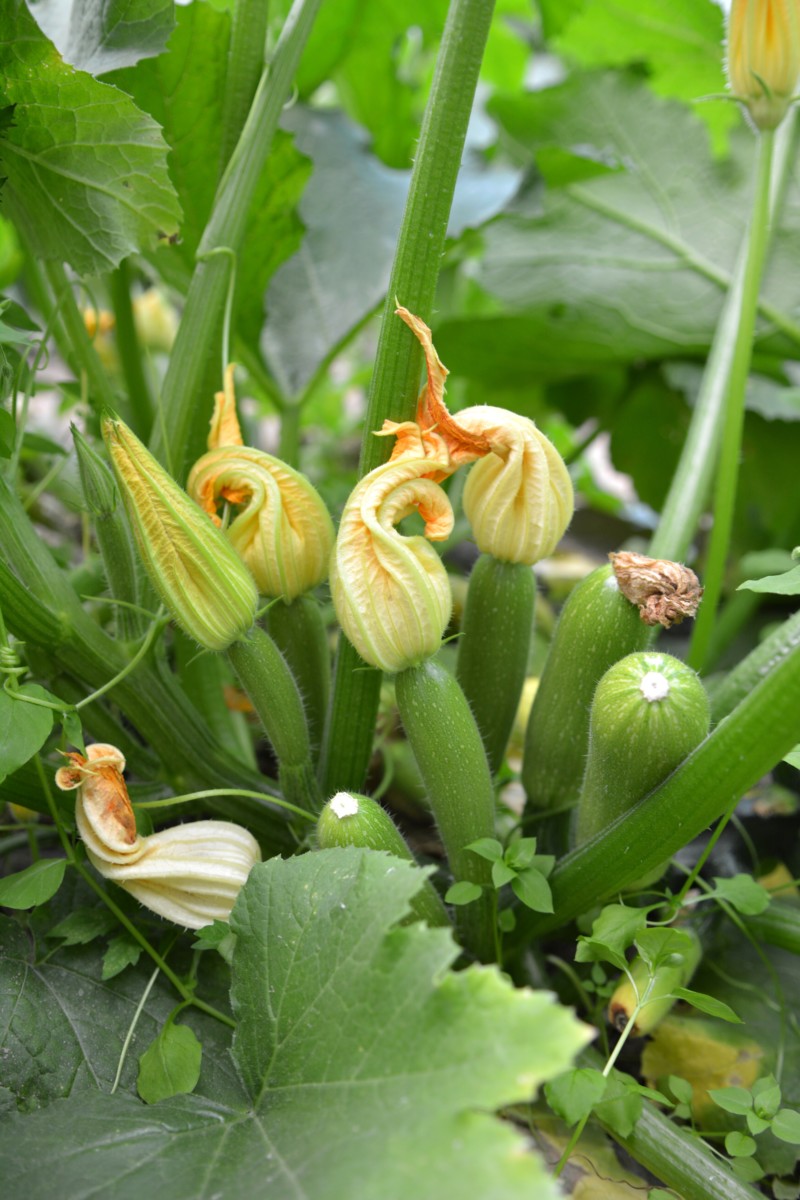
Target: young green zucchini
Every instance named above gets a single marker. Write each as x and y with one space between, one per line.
649 712
493 648
352 820
596 628
451 759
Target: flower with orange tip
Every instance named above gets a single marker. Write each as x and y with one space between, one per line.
391 592
191 874
764 57
518 498
283 532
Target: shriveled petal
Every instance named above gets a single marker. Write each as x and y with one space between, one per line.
391 593
191 874
191 564
104 808
463 445
519 498
284 532
225 428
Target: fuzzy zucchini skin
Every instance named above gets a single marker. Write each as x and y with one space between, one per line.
597 627
649 712
451 759
299 632
493 648
352 820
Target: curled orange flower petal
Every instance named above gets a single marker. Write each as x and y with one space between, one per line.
225 429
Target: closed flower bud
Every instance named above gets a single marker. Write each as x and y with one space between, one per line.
764 57
283 532
196 572
518 499
391 593
190 874
97 483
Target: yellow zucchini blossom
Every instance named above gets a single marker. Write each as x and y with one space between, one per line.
391 592
283 532
191 564
764 57
518 497
191 874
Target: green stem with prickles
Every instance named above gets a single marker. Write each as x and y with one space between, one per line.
449 752
299 632
395 380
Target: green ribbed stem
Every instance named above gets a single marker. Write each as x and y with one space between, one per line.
449 752
299 632
352 820
679 1159
75 343
735 755
733 416
739 682
597 627
250 20
204 678
265 676
140 401
395 380
778 925
493 648
198 337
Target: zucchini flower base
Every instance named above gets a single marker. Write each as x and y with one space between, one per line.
764 57
196 572
284 532
190 874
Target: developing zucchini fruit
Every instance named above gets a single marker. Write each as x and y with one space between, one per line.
597 627
648 713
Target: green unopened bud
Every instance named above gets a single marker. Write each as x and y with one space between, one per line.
99 490
195 570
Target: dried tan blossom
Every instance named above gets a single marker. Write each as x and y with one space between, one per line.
665 592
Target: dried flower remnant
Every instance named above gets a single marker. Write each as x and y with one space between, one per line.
191 874
283 532
665 592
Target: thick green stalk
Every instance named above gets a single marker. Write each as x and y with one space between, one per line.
778 925
200 328
246 55
493 648
140 402
299 632
733 421
732 759
691 482
395 379
680 1160
449 752
739 682
204 678
75 343
265 676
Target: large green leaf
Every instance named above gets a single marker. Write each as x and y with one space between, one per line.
351 209
102 35
183 90
622 267
681 43
86 169
370 1068
63 1027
